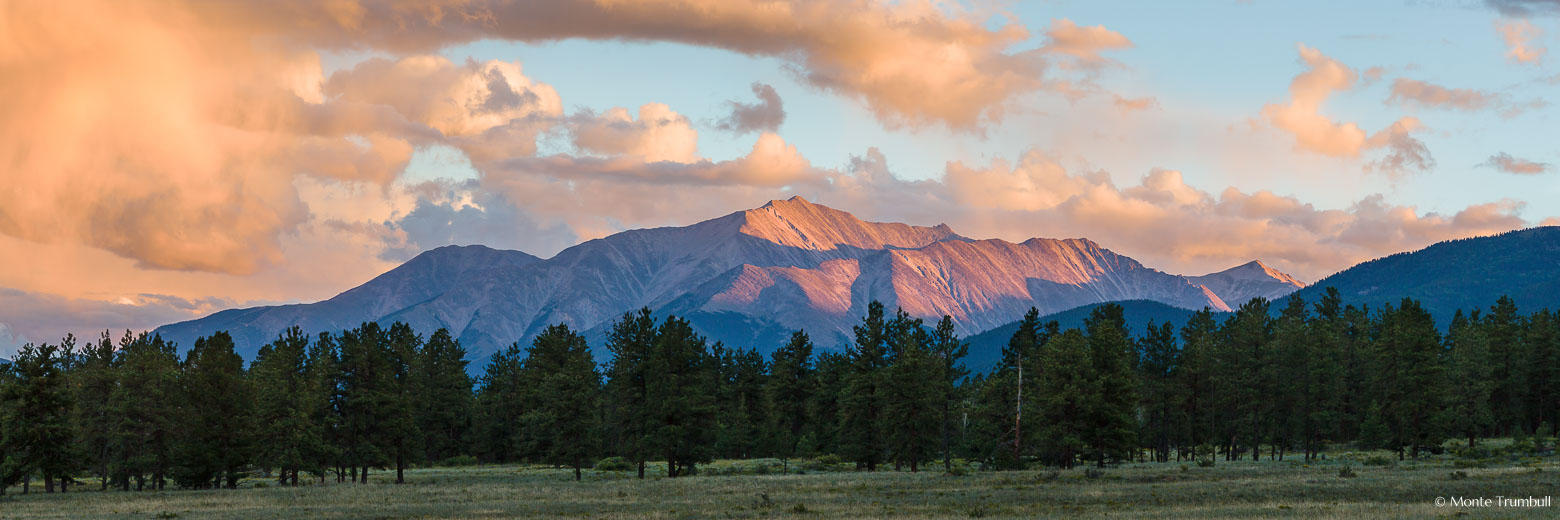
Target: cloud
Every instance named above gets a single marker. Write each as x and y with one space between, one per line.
1083 44
464 214
1425 94
1525 8
42 318
1315 132
1161 220
1519 36
915 63
1504 162
660 134
1128 105
764 116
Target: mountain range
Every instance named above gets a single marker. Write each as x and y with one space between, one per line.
747 279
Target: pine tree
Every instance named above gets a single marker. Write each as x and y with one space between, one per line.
1288 382
1469 414
830 373
912 398
1322 374
1068 390
323 374
680 373
1111 426
1198 380
145 406
500 406
215 426
288 436
1161 397
948 350
740 412
563 384
366 395
444 399
38 436
400 434
789 392
862 400
1508 397
1410 378
1248 382
631 341
93 379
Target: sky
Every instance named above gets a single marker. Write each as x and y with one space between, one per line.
163 160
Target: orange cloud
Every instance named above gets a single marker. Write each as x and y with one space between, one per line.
1314 132
1427 94
1519 36
660 134
1504 162
1084 43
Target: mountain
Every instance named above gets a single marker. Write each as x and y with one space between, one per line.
1241 283
986 347
747 278
1458 274
419 280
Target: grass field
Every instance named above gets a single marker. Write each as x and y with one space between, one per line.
1287 489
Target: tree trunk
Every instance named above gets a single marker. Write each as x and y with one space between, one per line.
48 482
400 469
576 472
27 483
641 470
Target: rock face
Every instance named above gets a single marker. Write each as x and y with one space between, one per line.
745 278
1241 283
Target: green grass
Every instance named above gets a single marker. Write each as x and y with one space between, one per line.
1266 489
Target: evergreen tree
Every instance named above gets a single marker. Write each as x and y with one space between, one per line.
1161 397
1067 392
1410 378
400 434
830 373
1247 386
367 394
1469 414
862 400
1508 396
500 406
912 395
1198 380
740 411
215 426
38 437
287 435
948 350
1110 417
1288 381
631 341
1322 374
680 399
145 407
93 379
323 374
444 398
564 385
789 392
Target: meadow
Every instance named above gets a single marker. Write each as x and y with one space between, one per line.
1380 487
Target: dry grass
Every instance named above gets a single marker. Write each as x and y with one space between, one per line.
1159 491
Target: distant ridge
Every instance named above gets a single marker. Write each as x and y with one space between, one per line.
747 279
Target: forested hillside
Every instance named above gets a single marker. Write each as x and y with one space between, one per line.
133 414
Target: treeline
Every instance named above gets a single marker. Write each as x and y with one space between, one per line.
131 414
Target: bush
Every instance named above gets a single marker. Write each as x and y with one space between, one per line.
1093 472
1459 475
1347 472
829 459
1378 460
614 464
459 461
959 469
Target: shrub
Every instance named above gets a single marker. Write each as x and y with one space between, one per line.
459 460
829 459
614 464
1093 472
959 468
1347 472
1206 462
1459 475
262 485
1378 460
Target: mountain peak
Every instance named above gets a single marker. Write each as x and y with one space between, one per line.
797 222
1243 282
